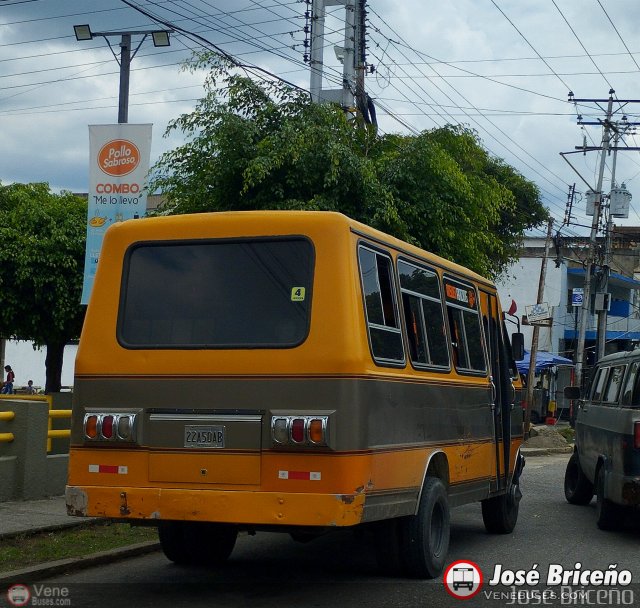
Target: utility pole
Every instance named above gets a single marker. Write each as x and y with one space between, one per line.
603 313
536 330
608 126
350 54
586 302
125 63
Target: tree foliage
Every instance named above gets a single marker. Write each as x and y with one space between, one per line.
42 242
266 146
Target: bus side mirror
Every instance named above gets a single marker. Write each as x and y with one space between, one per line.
517 346
572 392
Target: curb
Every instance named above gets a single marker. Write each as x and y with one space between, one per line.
62 566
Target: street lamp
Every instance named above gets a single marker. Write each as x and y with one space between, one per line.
160 38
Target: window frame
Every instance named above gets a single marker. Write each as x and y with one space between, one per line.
377 251
610 376
601 373
431 271
475 309
631 385
126 268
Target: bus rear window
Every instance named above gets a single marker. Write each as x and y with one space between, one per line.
217 294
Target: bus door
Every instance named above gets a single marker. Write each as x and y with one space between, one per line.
502 391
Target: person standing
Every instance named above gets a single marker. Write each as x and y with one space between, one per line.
7 387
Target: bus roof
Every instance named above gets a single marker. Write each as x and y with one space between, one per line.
256 223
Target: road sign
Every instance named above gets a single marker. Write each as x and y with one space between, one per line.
577 296
538 312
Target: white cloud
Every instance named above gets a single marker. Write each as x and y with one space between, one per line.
52 87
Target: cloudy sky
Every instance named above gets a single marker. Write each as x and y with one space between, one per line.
502 67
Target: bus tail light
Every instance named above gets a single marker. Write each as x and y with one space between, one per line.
636 435
297 430
109 427
91 426
316 431
300 430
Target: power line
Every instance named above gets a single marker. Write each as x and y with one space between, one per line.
580 43
568 88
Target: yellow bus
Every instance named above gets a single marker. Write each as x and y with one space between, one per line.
294 371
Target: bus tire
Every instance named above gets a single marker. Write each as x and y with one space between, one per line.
500 513
609 516
197 543
425 536
578 490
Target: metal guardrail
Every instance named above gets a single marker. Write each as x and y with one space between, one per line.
51 433
60 433
7 437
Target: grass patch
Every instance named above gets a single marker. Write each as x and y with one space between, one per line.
29 550
568 433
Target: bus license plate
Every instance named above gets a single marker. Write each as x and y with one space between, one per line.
203 436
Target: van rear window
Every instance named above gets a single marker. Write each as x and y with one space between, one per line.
216 294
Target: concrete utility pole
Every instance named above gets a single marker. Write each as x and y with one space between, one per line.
351 54
603 313
536 331
586 302
608 126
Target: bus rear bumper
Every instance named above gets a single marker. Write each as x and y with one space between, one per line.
238 507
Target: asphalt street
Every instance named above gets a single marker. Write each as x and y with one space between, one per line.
340 569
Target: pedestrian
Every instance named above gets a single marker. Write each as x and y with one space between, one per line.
7 387
30 390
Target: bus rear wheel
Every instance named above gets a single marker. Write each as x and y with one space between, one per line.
425 536
197 543
416 545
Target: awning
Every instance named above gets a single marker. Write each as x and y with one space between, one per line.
544 360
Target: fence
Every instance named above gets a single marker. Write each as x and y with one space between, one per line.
34 445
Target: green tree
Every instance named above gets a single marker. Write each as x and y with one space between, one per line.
42 242
266 146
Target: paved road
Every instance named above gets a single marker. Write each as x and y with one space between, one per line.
339 569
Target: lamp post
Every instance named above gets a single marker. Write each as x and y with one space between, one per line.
160 38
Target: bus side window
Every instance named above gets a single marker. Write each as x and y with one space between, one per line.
380 306
464 325
422 304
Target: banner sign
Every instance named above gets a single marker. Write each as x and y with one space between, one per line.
119 163
538 312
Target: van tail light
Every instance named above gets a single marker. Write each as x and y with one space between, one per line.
309 431
636 435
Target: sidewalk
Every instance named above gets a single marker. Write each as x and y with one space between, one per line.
36 515
32 516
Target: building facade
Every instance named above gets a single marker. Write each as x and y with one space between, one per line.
565 277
